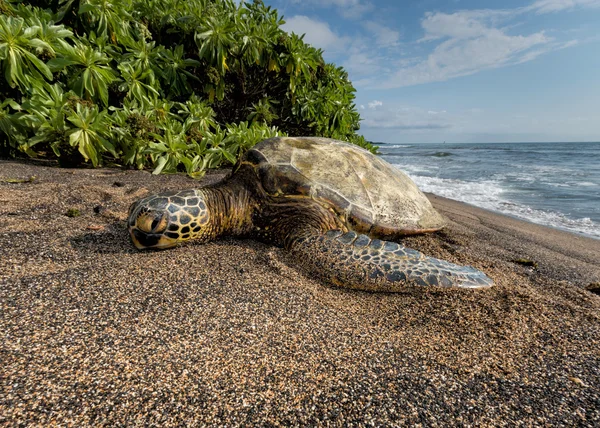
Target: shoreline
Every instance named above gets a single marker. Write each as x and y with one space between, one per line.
541 243
517 218
231 332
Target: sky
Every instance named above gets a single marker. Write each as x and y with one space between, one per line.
460 70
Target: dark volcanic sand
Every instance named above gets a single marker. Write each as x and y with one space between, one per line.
96 333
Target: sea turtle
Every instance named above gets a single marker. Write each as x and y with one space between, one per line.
335 206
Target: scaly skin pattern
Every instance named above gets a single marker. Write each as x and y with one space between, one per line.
359 262
325 247
167 219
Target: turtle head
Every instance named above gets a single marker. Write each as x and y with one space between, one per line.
164 220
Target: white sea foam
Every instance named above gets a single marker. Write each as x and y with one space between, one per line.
488 194
555 219
395 146
550 183
415 170
546 169
484 193
516 176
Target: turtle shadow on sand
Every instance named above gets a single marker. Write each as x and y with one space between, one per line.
112 239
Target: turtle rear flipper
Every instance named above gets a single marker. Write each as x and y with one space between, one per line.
357 261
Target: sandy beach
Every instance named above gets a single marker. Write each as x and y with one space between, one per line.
94 332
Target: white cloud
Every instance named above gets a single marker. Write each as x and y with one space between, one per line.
461 25
384 36
317 33
361 63
531 55
351 9
405 118
469 41
548 6
374 104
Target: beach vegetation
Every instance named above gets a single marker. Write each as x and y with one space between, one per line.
73 212
526 262
594 287
163 84
16 180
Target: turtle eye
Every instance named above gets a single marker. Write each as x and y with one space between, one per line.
152 222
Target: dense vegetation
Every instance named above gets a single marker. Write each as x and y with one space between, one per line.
175 85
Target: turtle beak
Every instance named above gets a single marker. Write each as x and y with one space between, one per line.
150 241
143 240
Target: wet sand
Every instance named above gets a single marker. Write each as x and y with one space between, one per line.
96 333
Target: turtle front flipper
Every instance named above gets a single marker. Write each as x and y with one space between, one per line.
359 262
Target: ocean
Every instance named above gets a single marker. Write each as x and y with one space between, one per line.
554 184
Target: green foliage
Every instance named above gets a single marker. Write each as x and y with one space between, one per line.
73 212
88 70
45 114
133 81
263 111
110 18
89 132
174 73
19 63
10 128
164 84
241 137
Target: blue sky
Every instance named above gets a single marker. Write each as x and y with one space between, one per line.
460 70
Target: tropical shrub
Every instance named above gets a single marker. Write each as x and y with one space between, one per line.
166 84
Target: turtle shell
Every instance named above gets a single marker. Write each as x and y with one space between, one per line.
367 193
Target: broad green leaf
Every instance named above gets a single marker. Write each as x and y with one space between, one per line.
89 152
76 137
86 7
58 64
162 161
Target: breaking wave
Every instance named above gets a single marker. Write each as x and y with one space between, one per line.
491 195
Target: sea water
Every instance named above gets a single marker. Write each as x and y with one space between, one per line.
554 184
